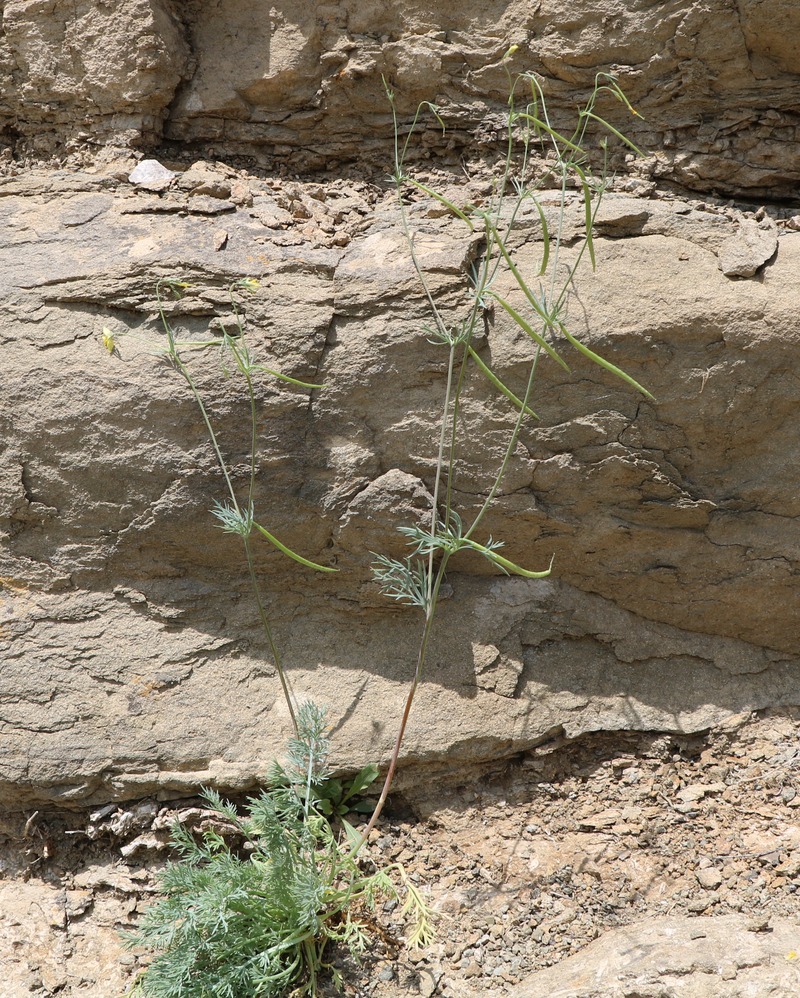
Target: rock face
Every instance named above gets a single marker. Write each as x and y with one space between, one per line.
729 956
300 85
71 71
132 659
133 662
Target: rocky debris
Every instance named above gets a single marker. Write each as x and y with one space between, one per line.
203 179
754 244
596 867
201 204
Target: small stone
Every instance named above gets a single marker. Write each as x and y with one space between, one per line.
204 205
709 878
697 791
622 217
752 246
212 186
603 819
151 175
241 194
473 969
427 983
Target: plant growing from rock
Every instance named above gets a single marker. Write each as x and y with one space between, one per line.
236 923
235 514
541 315
256 918
256 921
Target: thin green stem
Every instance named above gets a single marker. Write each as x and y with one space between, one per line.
511 447
440 466
418 673
262 614
451 463
183 370
209 428
253 436
441 537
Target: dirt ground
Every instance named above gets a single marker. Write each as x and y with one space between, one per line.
524 863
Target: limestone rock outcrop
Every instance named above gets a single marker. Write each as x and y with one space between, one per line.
132 659
728 956
299 86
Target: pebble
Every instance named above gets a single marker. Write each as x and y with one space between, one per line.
709 878
151 175
427 983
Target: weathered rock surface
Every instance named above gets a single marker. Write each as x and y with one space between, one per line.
717 83
728 956
133 663
749 249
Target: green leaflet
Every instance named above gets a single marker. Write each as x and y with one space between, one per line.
545 238
507 566
285 377
587 204
619 135
442 200
526 327
500 386
292 554
517 275
539 124
602 362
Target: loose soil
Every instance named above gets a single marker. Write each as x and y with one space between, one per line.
524 863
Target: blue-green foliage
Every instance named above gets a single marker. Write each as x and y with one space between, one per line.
249 915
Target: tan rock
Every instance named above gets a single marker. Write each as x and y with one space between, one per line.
679 957
302 86
133 662
753 245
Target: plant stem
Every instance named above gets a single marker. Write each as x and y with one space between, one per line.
421 658
262 613
183 370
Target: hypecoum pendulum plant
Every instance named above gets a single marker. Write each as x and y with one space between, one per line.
542 316
249 911
249 915
236 515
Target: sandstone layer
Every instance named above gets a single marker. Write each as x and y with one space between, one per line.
299 86
133 661
729 956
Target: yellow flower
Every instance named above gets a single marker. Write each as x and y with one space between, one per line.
109 341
